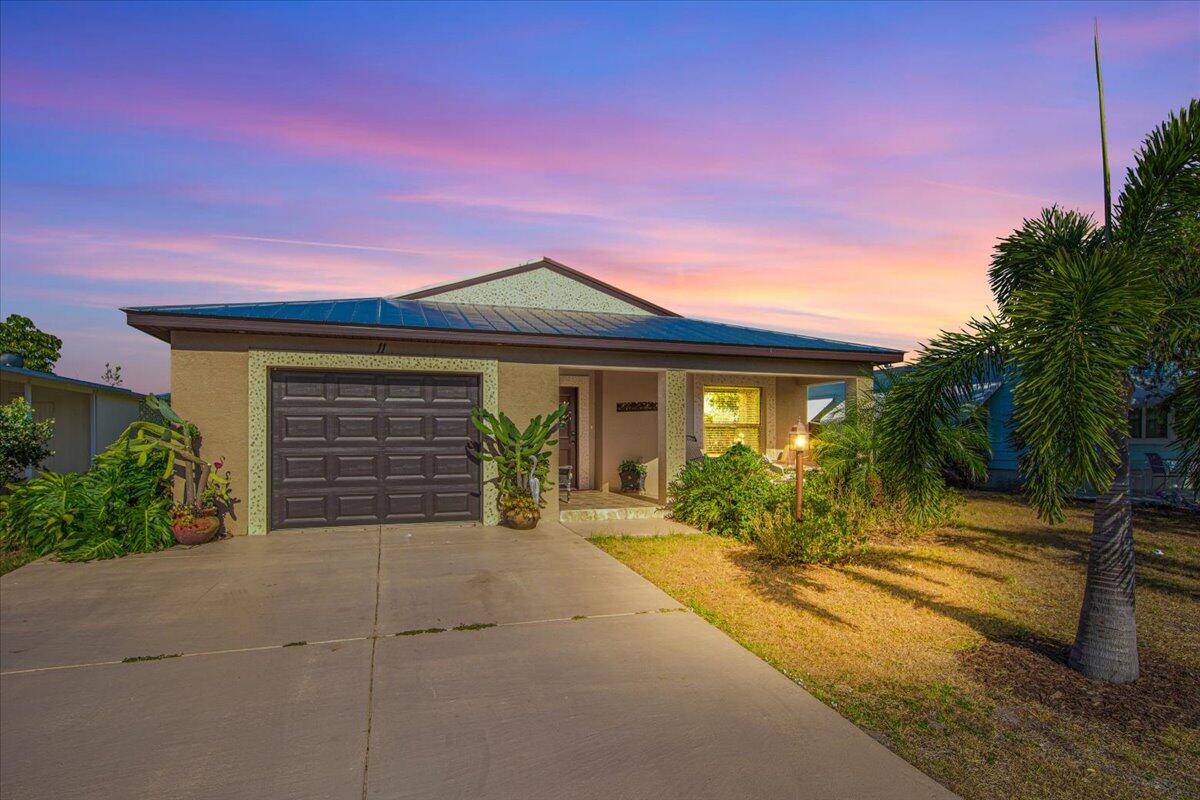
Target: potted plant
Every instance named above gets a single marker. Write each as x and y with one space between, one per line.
206 499
633 476
522 460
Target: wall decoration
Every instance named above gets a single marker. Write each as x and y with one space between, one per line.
644 405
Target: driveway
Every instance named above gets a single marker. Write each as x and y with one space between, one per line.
285 677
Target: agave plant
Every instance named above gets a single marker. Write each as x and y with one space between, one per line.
522 457
1083 310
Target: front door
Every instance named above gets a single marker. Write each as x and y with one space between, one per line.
568 433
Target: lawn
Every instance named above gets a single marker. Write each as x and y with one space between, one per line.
950 649
11 558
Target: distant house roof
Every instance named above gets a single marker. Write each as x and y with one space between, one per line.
20 373
399 318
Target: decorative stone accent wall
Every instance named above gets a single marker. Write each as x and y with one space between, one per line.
539 288
672 427
261 362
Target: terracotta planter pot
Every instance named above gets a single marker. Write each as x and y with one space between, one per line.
521 519
202 530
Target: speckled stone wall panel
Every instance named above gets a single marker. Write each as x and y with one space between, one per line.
672 436
539 288
261 362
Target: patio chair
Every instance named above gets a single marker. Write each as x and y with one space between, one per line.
566 477
1160 475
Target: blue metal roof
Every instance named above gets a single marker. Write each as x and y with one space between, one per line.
469 317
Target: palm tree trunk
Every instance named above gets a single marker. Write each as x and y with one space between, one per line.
1106 643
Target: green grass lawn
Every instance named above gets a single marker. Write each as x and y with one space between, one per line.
11 558
950 649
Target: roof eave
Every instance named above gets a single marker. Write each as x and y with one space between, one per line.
161 325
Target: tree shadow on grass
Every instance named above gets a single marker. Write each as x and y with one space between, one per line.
783 585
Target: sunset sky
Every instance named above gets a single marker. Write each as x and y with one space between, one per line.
839 170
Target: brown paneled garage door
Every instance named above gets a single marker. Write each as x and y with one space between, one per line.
370 448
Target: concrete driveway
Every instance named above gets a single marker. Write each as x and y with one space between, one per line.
291 671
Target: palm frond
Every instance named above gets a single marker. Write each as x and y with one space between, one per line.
1025 253
1075 331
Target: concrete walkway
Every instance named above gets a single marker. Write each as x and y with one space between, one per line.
287 666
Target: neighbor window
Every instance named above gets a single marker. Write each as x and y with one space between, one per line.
732 415
1148 423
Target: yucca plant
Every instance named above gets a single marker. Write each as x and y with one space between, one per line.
521 456
1081 310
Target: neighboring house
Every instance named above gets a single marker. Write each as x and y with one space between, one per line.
1151 428
87 416
355 412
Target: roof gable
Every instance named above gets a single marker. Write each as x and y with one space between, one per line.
543 284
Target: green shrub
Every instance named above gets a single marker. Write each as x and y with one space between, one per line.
826 535
23 440
722 495
117 507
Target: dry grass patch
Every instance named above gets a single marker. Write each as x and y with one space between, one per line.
949 649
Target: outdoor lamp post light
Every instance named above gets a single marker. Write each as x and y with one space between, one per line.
799 444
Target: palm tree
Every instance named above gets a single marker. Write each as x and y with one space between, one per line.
1082 311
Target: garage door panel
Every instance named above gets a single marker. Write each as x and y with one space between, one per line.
359 448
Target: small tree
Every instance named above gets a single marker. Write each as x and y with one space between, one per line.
23 440
18 335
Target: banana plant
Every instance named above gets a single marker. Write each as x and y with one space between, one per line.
522 457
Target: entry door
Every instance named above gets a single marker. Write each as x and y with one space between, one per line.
372 448
568 433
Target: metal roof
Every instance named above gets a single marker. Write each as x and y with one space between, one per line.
21 372
388 312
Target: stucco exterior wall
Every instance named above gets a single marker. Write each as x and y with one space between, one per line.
539 288
628 434
209 389
791 406
527 390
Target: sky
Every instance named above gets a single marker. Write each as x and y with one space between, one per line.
839 170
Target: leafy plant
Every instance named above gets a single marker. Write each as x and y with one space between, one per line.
722 495
1081 310
519 455
112 374
631 467
849 454
23 440
18 335
204 486
826 535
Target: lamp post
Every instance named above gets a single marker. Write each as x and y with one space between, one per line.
799 443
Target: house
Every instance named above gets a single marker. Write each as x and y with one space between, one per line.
355 412
1151 426
88 417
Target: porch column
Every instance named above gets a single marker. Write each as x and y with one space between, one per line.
672 427
862 383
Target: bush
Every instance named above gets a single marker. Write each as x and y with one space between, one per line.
22 440
826 535
117 507
723 495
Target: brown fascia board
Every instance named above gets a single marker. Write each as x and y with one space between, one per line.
161 325
553 266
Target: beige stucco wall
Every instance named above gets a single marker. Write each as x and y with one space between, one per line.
628 434
209 389
527 390
791 406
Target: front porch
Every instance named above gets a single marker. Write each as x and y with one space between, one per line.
666 417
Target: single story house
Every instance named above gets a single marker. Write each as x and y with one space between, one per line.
88 417
356 412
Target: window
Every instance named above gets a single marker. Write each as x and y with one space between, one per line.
1135 423
732 415
1156 422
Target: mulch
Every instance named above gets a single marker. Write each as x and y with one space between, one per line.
1166 693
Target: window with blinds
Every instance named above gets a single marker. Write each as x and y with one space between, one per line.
732 415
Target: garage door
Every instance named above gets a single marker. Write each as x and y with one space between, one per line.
370 448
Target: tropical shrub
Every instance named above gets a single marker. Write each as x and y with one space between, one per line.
119 506
827 533
849 452
23 440
522 457
722 495
40 350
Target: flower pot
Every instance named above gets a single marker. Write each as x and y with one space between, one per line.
521 519
633 482
202 529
